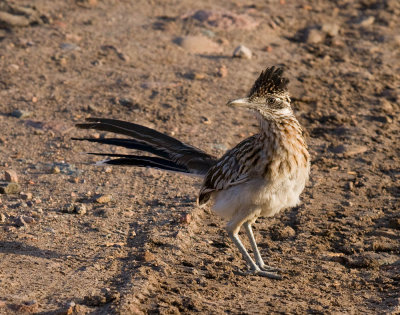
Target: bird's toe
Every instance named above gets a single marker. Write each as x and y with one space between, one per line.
268 274
269 268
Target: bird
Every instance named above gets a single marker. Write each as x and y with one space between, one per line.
259 177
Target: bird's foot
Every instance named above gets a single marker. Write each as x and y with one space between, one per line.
264 267
263 273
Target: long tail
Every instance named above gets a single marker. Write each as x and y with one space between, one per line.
173 155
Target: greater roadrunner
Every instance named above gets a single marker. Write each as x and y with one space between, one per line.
262 175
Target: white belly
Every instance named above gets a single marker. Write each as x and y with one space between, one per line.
257 193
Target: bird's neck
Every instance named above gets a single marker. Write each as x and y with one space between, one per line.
282 129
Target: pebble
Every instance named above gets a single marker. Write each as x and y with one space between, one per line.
9 188
80 209
23 220
26 195
349 150
87 4
2 217
205 120
103 199
185 218
222 71
108 169
366 21
11 20
148 256
69 208
55 170
195 76
198 44
11 176
243 52
69 46
19 113
331 29
314 36
386 106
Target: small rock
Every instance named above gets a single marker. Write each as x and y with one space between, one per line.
349 150
9 188
103 199
11 176
74 180
69 46
18 113
69 208
331 29
267 49
80 209
108 169
26 195
222 71
386 106
148 256
396 40
314 36
195 75
23 220
205 120
198 44
366 21
350 186
11 20
55 170
185 218
243 52
355 149
87 4
2 218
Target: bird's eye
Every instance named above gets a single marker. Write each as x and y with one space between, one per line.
271 101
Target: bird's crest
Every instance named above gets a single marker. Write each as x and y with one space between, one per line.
270 81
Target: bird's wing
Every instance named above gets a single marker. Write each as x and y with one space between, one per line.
233 168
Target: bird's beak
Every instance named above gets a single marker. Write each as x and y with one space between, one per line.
240 102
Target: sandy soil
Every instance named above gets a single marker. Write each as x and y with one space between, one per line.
150 249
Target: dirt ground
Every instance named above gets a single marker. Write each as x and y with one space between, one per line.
144 247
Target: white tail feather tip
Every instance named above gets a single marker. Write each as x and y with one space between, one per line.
102 162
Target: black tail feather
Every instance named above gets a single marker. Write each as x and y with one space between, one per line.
129 144
190 158
142 161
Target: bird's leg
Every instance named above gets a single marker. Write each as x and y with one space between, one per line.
254 268
259 260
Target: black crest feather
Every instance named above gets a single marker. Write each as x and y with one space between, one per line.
270 81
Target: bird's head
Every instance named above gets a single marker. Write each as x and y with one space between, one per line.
268 94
